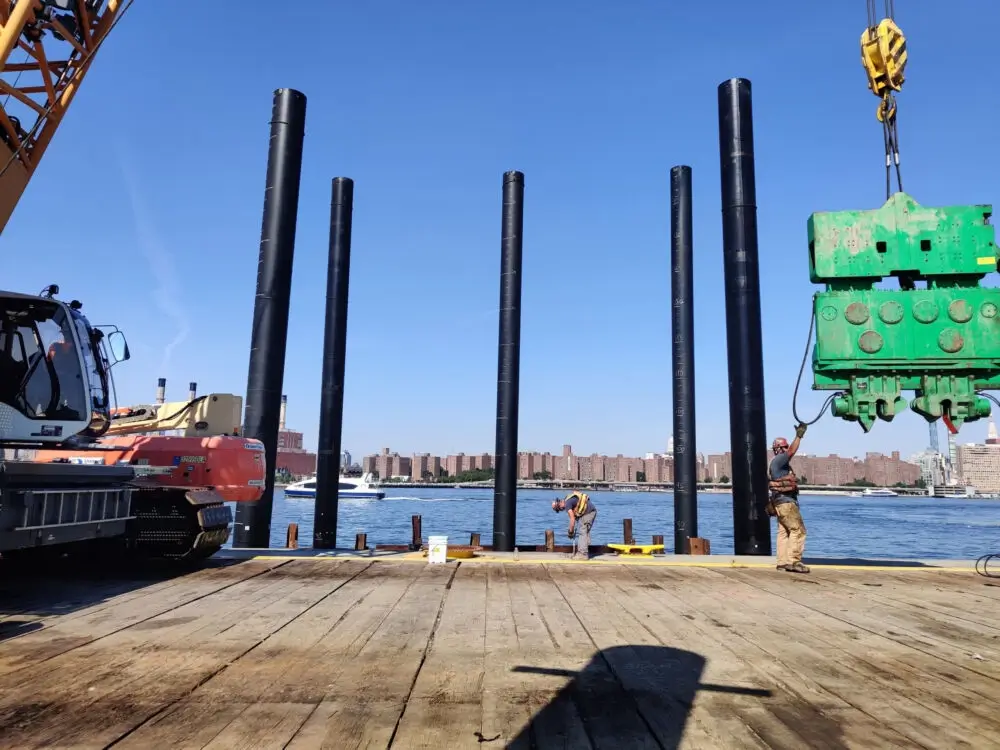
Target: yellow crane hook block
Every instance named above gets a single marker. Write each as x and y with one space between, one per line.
883 55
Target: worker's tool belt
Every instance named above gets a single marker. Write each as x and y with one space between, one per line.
786 485
583 505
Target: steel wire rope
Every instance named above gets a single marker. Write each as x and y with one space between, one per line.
798 382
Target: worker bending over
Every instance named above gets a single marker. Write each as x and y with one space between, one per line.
784 504
581 512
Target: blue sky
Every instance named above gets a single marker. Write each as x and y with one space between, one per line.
425 105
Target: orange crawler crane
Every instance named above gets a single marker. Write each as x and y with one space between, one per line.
147 480
189 461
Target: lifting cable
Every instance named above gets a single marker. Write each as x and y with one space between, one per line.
798 382
883 55
990 396
982 565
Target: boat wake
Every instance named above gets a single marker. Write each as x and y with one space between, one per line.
452 499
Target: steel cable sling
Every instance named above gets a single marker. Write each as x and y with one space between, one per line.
883 55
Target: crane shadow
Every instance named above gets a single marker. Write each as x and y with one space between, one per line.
43 586
626 696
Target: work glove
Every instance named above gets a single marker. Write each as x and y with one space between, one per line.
571 534
800 431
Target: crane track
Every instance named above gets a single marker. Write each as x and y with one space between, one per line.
167 525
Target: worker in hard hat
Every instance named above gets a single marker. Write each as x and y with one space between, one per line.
582 513
784 503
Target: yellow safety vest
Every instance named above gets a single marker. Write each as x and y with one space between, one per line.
581 507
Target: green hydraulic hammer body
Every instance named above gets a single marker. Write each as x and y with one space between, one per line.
937 334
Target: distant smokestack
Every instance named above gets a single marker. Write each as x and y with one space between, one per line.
281 412
192 391
161 390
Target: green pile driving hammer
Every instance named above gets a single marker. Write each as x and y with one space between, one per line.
903 310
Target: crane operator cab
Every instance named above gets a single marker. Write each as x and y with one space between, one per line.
54 370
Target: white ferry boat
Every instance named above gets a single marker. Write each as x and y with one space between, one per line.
879 492
361 488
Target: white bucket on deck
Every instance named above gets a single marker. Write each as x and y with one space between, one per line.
437 549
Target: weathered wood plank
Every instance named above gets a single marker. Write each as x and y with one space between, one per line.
443 708
958 585
867 670
610 718
117 615
527 669
730 632
185 725
976 611
368 654
107 646
193 648
298 663
956 646
663 676
262 726
37 598
293 666
366 698
505 711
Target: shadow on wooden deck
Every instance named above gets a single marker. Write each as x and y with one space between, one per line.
661 685
32 590
863 562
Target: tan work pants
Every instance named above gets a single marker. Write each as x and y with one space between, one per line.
791 533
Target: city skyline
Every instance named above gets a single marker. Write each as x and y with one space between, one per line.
960 464
989 436
875 468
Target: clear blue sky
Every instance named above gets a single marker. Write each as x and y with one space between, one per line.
425 105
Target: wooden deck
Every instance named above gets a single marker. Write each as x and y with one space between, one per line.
271 653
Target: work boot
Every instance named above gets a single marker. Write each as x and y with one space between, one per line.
782 567
796 567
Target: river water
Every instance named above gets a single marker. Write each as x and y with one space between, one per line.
838 526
